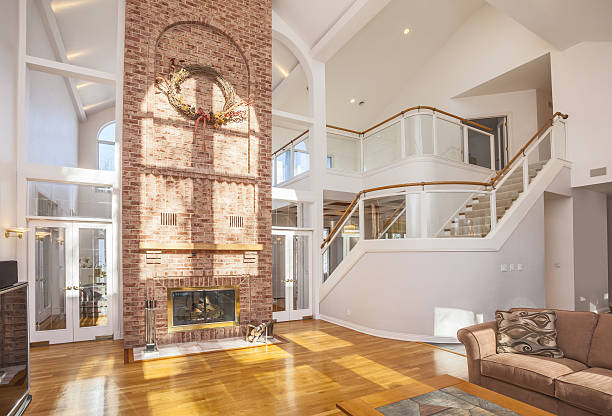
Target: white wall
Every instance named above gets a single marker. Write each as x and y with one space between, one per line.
431 293
88 134
590 250
582 87
558 224
8 87
487 45
51 133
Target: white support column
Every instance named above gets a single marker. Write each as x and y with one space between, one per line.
21 189
525 173
419 134
361 156
403 136
466 145
493 201
291 161
423 212
492 147
434 133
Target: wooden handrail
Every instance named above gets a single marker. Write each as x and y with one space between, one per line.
400 185
290 142
435 110
546 125
401 113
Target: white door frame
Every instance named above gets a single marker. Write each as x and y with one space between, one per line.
57 335
73 331
289 314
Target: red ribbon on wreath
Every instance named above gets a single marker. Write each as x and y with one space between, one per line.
204 118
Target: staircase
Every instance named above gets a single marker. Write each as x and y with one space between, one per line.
474 218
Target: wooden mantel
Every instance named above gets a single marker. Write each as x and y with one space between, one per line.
200 246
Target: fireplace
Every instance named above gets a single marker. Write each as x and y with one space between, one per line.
203 307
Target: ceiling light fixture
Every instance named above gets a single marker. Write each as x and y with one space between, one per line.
406 31
282 70
352 101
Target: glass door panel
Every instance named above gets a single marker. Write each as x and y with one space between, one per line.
92 273
50 255
279 273
301 272
93 299
50 277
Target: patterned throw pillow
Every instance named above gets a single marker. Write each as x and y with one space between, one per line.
528 332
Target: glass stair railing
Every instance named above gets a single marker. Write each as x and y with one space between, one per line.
442 209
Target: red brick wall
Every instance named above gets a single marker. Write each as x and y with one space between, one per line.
165 167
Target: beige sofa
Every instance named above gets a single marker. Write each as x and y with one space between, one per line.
579 384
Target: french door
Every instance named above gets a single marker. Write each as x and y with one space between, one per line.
70 276
291 274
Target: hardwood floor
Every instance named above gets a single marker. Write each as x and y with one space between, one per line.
320 366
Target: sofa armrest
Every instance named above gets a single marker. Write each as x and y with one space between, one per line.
480 342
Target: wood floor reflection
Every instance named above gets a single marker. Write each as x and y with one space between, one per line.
321 365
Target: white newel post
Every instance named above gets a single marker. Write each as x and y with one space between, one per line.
525 173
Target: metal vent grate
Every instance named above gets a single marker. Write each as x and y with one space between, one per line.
598 172
236 221
168 218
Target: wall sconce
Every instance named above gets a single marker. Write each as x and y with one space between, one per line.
18 231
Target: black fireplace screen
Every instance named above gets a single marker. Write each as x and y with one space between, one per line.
203 306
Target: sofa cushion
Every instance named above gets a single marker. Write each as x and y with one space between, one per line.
600 354
532 372
590 389
527 332
574 332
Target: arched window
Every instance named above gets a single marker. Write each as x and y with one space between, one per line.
106 147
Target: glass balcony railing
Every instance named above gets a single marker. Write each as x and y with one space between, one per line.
441 209
416 132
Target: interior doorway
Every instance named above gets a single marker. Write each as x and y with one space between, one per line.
499 129
291 274
71 279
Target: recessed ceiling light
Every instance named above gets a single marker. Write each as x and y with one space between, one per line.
352 101
406 31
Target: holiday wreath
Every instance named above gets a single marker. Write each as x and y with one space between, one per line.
234 110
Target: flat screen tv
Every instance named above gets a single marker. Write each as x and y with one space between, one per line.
14 342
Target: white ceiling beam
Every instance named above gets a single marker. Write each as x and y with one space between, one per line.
68 70
279 116
351 22
57 44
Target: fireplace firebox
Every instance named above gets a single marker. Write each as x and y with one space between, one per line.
203 307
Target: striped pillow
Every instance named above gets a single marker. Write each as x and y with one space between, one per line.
528 332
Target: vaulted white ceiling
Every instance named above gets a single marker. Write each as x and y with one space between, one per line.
563 23
376 62
311 19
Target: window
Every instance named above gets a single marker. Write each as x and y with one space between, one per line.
330 162
106 147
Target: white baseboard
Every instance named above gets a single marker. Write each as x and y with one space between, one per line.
400 336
